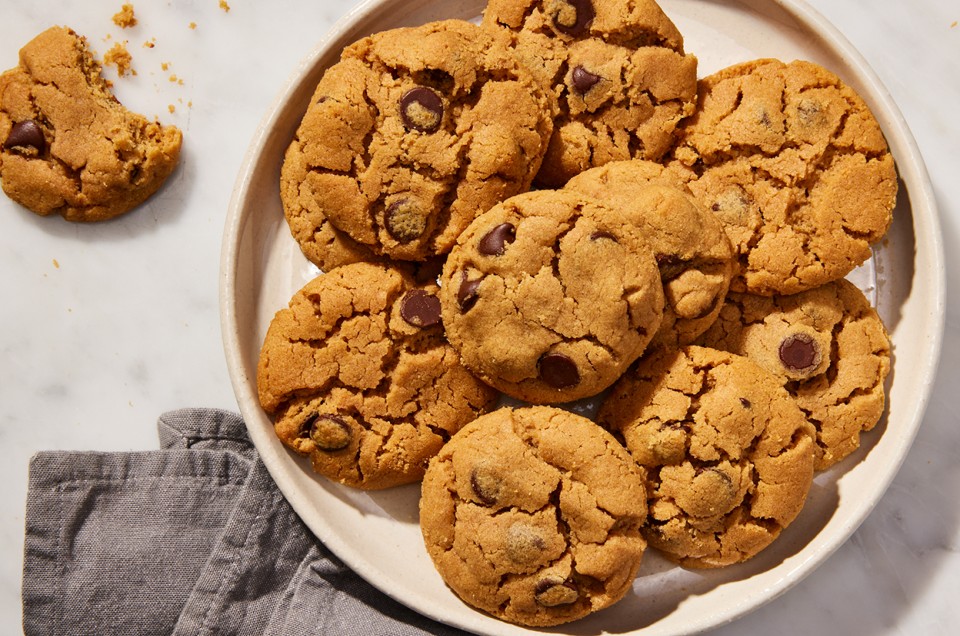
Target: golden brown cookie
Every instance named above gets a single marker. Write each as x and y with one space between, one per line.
796 167
830 350
549 296
67 146
533 515
356 374
618 70
692 250
407 138
728 453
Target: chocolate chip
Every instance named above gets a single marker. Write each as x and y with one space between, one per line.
551 591
485 484
670 266
799 352
495 242
745 403
420 308
524 544
468 294
584 80
575 17
558 371
404 220
421 108
600 235
329 432
26 134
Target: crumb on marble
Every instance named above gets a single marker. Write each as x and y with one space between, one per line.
119 57
125 18
56 263
149 44
171 108
164 66
176 80
224 6
953 25
193 26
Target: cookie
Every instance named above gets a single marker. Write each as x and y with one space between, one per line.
411 134
618 69
533 516
358 376
795 165
830 350
691 247
728 454
549 296
67 146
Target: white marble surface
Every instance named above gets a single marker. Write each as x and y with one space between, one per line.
104 327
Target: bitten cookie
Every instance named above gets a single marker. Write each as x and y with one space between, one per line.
830 350
618 70
533 515
549 296
728 453
796 167
692 250
407 138
67 146
357 375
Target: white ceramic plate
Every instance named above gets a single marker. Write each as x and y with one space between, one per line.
378 534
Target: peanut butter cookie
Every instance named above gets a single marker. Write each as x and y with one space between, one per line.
533 515
357 375
67 146
407 138
796 167
618 69
549 296
728 453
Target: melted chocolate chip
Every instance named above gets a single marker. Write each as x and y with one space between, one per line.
485 485
26 134
600 235
404 220
574 18
552 591
799 352
584 80
329 432
495 242
420 308
558 371
670 266
745 403
421 108
468 294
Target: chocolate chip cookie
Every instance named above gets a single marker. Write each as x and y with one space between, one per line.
691 247
728 453
67 146
407 138
549 296
358 376
618 69
830 350
794 164
533 515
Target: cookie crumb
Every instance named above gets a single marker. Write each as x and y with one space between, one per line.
56 264
224 6
125 18
953 25
171 108
193 26
149 44
119 57
176 80
164 66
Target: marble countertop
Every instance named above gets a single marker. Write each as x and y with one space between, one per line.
103 327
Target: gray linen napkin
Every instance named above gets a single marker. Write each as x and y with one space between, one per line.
191 539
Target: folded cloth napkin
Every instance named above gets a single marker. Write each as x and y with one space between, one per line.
191 539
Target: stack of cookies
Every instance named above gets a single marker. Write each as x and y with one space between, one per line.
550 207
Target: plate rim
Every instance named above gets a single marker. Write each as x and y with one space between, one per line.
911 168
